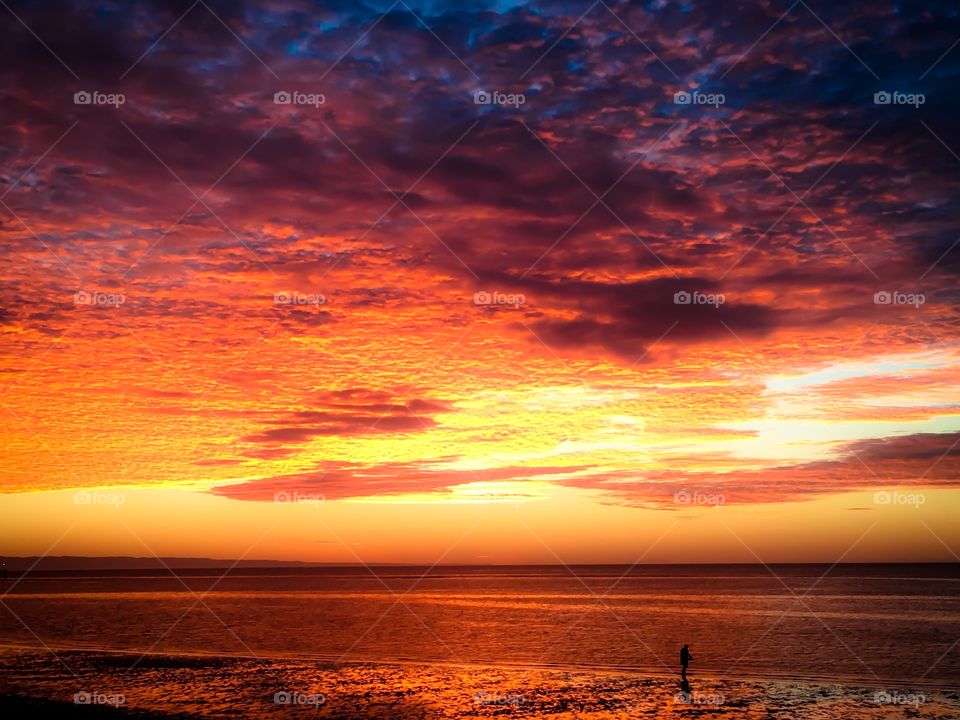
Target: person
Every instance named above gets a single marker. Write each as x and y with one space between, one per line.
685 658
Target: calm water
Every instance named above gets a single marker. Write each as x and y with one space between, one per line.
861 623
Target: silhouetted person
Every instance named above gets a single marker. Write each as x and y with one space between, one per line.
685 658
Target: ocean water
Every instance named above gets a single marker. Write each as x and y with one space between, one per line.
849 624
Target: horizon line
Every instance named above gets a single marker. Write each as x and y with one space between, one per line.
272 563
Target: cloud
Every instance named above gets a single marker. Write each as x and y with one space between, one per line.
919 460
354 411
599 199
336 481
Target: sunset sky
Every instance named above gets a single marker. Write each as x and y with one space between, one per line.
598 325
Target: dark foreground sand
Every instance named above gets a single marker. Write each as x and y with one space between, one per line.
173 686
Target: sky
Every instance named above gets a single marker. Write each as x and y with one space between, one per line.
480 281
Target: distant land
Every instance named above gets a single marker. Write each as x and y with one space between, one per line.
59 563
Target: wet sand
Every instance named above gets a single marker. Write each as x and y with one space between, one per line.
181 686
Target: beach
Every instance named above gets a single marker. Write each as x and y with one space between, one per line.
194 686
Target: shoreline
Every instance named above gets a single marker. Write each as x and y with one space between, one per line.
333 662
213 686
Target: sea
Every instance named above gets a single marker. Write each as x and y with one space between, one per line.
844 624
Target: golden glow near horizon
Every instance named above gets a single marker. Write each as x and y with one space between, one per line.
590 452
593 452
560 529
588 462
